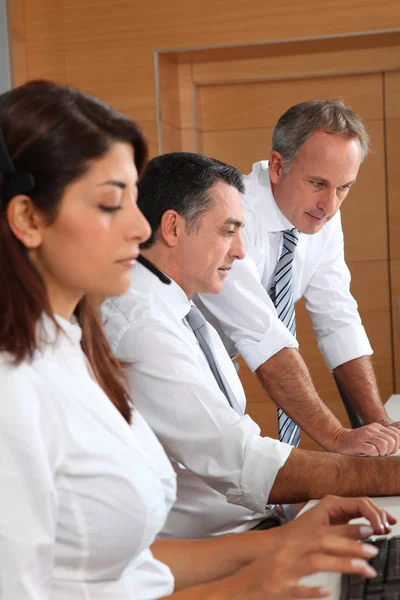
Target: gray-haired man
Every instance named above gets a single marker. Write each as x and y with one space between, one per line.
294 243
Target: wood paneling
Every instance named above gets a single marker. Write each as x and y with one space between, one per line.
169 92
217 105
364 212
393 182
395 291
392 94
320 62
189 140
240 148
171 138
18 41
151 132
186 96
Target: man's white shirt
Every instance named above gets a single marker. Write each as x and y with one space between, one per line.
225 469
244 314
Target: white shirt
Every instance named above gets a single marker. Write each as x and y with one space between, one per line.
83 493
225 469
244 314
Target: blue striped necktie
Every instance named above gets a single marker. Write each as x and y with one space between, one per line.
281 294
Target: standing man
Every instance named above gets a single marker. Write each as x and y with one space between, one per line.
294 244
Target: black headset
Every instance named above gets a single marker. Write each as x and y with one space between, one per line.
13 183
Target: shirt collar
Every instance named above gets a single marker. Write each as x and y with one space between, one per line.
172 296
258 186
47 333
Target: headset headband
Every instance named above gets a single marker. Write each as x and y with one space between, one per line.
13 183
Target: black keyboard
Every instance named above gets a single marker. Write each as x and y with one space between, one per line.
386 585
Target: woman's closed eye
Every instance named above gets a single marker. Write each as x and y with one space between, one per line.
109 209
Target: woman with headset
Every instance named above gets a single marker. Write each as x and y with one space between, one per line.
84 484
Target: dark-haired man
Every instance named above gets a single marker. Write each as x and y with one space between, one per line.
182 379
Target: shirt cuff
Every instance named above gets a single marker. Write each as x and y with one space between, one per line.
264 458
274 340
345 344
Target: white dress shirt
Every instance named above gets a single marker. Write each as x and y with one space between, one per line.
83 493
244 314
225 469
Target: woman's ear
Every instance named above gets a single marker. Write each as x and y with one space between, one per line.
25 221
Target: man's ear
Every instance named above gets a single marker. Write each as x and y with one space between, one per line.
171 227
25 221
275 166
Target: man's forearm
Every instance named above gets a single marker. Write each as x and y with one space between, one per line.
308 475
357 378
287 380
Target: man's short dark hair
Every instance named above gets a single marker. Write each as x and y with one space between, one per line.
181 181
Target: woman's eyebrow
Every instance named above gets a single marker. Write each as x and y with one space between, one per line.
114 182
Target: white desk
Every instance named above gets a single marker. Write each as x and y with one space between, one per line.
390 503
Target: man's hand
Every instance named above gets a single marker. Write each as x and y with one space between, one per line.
334 513
372 440
389 423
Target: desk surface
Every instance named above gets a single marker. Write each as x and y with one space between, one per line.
391 504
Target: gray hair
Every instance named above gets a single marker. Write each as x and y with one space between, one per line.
298 123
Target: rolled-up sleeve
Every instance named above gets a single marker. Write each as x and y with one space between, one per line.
193 420
28 500
247 315
333 310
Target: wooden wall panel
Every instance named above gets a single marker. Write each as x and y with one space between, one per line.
151 132
364 212
240 148
170 110
171 138
18 41
297 64
395 291
217 105
392 94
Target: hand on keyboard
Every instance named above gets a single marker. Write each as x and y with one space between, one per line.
320 540
334 513
277 577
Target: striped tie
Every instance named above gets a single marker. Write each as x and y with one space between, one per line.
281 295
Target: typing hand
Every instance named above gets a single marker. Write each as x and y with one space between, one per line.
333 514
372 440
277 577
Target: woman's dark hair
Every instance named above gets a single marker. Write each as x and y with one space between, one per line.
53 132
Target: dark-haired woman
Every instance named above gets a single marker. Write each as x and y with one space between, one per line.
84 485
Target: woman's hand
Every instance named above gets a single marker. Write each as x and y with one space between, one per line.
335 512
277 577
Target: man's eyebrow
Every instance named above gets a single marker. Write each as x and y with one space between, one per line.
119 184
323 180
234 222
